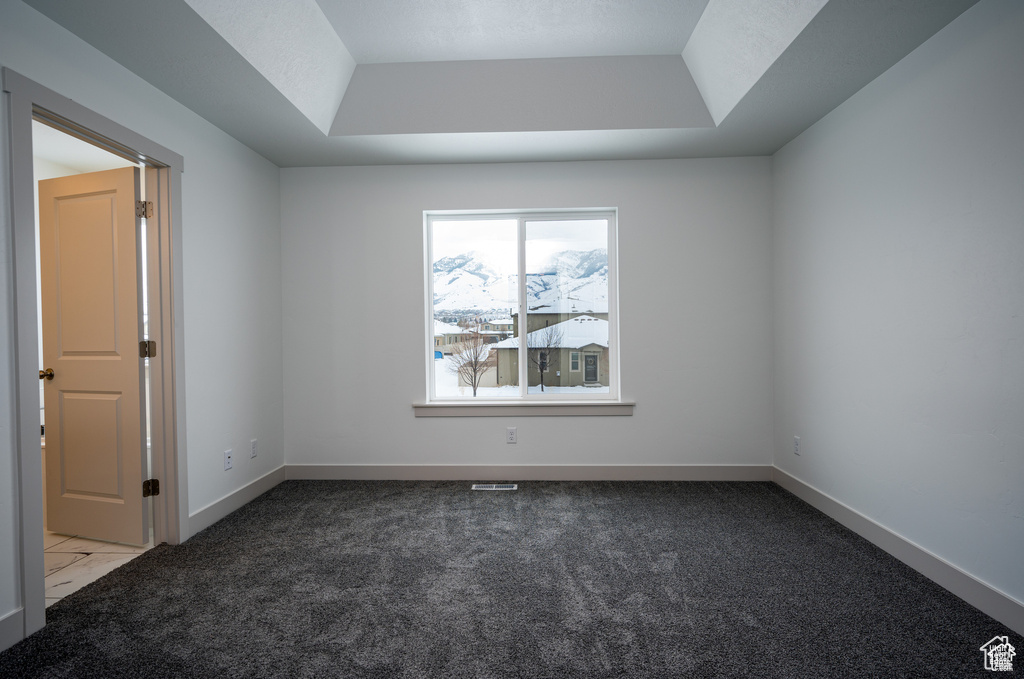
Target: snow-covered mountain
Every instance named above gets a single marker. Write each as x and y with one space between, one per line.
466 282
578 263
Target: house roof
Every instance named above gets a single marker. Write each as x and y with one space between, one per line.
358 82
442 328
575 333
571 306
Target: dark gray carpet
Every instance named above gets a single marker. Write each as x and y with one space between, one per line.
390 579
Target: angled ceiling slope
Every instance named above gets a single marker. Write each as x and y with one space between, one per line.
353 82
291 43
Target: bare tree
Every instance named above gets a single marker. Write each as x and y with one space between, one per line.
471 358
543 349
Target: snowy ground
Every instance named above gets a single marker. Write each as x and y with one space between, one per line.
446 385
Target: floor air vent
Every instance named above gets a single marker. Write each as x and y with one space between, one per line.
495 486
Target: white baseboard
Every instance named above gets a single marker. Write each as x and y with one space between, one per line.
214 512
984 597
473 472
12 628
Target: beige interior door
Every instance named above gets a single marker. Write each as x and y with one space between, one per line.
92 325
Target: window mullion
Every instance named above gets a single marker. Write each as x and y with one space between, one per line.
523 357
428 251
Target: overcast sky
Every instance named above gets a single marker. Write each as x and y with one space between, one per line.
495 240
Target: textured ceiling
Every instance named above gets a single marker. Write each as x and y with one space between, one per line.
736 41
449 30
443 81
292 45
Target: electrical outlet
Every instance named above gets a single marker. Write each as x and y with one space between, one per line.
252 448
510 435
227 459
796 445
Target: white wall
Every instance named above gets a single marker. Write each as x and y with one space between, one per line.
899 310
231 259
694 256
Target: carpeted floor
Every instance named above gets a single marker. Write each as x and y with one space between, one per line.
392 579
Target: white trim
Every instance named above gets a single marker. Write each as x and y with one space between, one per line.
521 408
428 302
26 396
979 594
12 627
26 97
215 511
521 216
166 413
523 347
483 472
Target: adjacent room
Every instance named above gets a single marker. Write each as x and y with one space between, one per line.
720 302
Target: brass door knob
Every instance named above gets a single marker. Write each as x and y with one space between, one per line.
46 374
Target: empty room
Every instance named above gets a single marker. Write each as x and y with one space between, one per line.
493 339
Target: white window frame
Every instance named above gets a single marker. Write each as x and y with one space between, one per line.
535 403
575 354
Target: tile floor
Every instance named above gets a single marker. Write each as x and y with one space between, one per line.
73 562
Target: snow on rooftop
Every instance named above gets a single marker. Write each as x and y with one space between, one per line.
442 328
576 333
571 306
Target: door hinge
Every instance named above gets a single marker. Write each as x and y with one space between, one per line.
147 349
144 208
150 487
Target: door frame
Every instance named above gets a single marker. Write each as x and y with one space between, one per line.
28 101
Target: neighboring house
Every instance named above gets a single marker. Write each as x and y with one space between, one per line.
578 355
543 315
499 328
447 335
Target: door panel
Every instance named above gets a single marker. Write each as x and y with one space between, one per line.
86 241
90 448
92 323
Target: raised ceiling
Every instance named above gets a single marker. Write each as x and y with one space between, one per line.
354 82
378 32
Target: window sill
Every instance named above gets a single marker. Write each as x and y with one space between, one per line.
523 409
